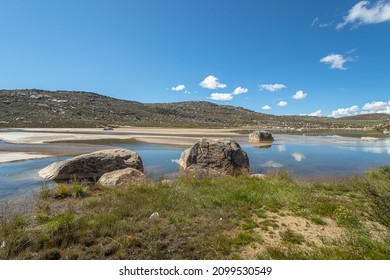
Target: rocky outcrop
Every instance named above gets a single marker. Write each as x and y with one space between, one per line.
92 166
260 136
215 157
118 178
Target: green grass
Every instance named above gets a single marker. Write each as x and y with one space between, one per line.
292 237
203 218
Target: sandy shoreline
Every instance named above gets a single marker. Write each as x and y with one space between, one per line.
17 156
40 143
151 135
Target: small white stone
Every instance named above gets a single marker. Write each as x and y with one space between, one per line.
259 176
155 215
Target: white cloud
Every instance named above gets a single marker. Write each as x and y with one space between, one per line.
266 107
272 87
299 95
361 14
175 161
211 82
336 61
344 112
282 103
376 107
240 90
298 156
178 88
316 113
221 96
314 21
272 164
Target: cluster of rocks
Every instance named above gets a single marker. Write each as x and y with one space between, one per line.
113 167
117 167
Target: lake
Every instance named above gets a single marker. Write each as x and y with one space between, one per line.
303 156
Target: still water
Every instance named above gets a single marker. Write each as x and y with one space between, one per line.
318 156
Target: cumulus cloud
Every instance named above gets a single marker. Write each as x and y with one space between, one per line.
282 103
376 107
298 156
211 82
316 113
299 95
364 13
266 107
221 96
240 90
345 112
272 87
336 61
179 88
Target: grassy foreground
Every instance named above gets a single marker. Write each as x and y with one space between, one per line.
208 218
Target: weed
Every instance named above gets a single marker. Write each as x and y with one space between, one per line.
378 190
292 237
62 191
244 238
249 224
78 189
318 221
347 218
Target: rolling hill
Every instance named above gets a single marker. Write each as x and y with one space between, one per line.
41 108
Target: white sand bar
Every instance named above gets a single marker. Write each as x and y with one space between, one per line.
16 156
148 134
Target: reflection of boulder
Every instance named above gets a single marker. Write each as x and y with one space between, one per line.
122 177
260 136
215 157
261 145
92 166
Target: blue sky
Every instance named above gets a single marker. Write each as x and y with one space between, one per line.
323 57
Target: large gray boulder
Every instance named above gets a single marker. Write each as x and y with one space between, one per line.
122 177
93 165
260 136
215 157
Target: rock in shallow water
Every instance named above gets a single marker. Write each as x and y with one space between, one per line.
215 157
93 165
260 136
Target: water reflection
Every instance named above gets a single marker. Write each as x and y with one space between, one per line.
261 146
272 164
282 148
298 156
326 156
377 146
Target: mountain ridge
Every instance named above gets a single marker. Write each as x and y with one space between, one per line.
63 108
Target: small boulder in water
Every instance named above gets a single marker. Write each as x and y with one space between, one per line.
260 136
